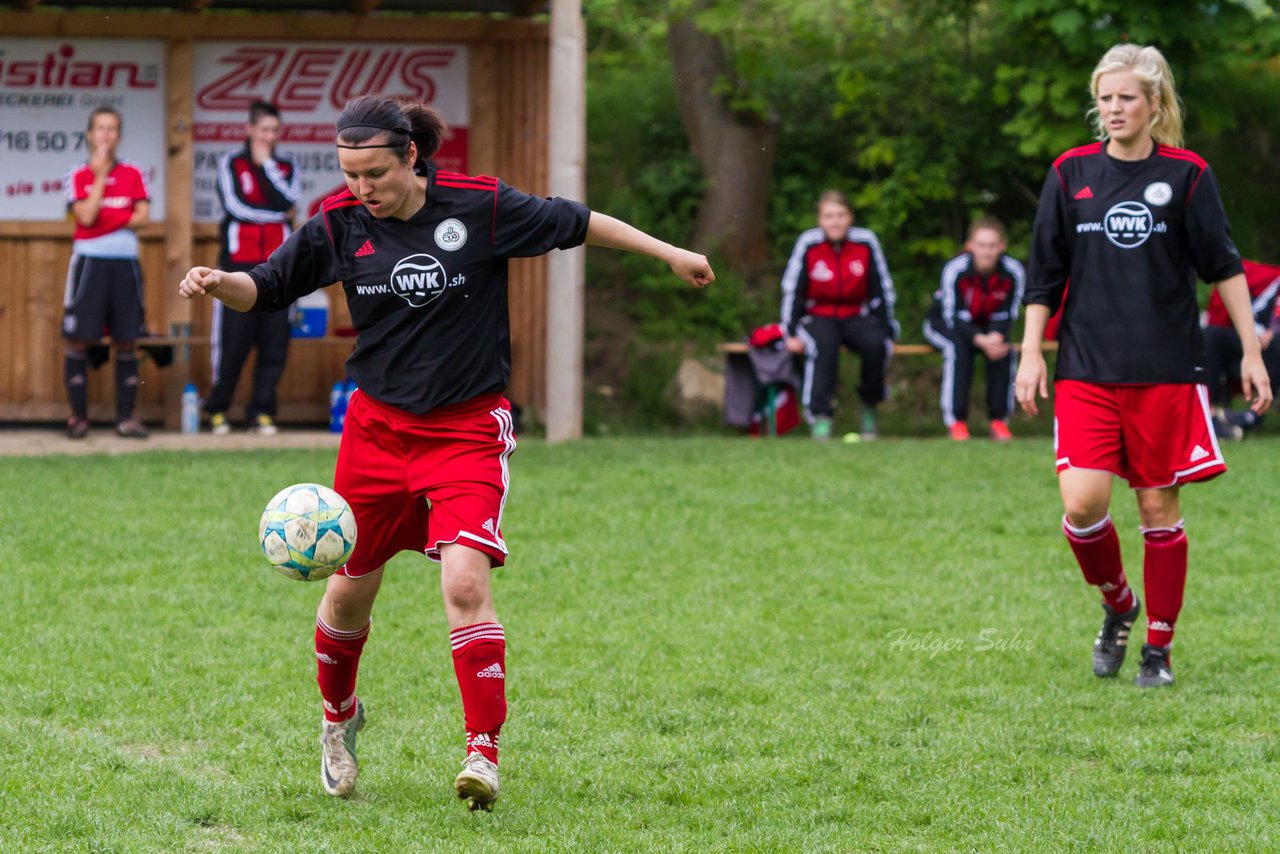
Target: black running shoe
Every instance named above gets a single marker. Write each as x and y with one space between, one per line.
77 428
1155 670
131 428
1113 639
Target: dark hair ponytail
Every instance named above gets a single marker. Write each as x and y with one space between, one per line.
402 120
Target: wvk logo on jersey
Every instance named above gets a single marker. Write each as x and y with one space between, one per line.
419 279
1127 225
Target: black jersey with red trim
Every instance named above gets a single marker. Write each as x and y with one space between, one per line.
428 295
1132 236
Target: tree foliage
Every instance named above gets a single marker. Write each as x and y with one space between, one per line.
927 112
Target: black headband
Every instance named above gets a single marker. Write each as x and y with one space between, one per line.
375 127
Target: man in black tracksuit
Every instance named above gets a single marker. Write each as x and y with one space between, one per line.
973 311
258 189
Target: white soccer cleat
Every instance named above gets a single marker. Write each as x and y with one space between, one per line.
477 784
338 767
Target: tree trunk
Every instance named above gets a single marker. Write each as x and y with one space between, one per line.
736 151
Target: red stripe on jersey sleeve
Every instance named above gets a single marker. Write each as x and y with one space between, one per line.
1181 154
342 199
454 179
1078 151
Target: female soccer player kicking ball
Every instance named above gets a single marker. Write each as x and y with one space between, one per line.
422 255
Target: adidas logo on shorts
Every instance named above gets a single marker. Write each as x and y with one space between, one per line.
1198 454
493 671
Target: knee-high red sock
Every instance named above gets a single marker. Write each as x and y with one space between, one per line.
337 659
1164 570
1097 550
479 661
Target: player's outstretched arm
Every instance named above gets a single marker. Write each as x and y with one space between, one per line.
236 290
1033 374
604 230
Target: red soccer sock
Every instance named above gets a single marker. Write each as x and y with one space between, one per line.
1164 570
1097 550
479 661
337 659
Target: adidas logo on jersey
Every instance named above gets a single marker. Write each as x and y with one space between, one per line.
493 671
365 250
1198 454
1086 193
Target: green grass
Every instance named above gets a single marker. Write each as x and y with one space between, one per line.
715 644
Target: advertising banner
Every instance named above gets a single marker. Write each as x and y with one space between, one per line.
310 82
48 87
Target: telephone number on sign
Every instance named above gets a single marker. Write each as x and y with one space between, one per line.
41 140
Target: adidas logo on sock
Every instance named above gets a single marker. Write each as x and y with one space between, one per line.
493 671
481 739
326 659
1198 454
366 249
1160 626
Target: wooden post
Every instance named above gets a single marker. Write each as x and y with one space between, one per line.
179 170
566 270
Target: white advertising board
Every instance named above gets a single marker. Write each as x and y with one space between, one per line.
310 82
48 87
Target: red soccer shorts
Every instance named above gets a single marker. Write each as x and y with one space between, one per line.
421 481
1151 435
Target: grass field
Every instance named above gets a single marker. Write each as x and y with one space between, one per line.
714 644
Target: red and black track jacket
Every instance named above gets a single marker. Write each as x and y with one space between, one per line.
844 279
1264 286
428 295
968 302
257 201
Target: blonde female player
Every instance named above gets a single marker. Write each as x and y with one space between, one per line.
1132 220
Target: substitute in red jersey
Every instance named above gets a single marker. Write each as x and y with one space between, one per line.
422 256
1223 351
836 292
258 188
1132 221
973 312
108 198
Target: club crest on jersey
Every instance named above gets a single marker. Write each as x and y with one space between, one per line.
1158 193
419 279
1128 224
451 235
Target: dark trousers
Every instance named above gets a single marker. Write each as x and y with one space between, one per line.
823 337
957 374
1222 354
234 335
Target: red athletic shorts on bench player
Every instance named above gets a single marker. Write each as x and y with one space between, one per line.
391 463
1151 435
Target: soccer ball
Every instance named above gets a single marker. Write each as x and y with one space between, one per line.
307 531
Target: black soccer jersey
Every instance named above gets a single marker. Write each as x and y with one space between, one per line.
1131 236
428 295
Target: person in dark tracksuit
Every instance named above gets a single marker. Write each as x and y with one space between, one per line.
973 311
258 189
1223 351
836 291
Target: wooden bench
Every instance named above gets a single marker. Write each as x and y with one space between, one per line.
740 348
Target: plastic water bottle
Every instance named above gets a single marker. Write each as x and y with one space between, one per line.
190 409
337 407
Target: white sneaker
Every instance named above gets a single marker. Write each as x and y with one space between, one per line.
338 768
219 425
477 784
264 425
